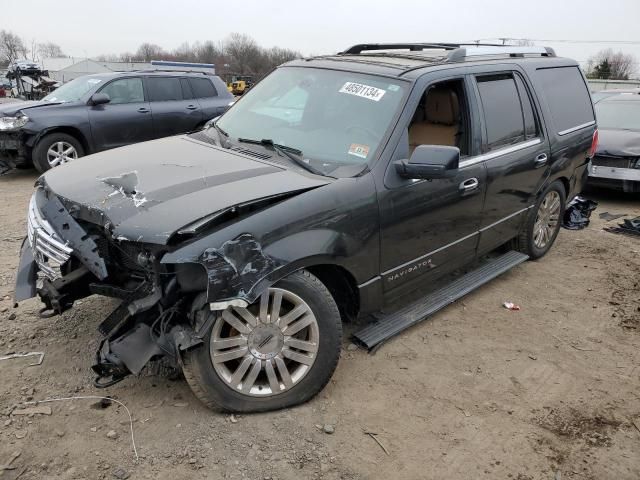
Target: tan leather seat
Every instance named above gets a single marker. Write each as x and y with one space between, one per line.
437 124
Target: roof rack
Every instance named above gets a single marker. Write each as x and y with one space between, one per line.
151 70
456 51
493 50
414 47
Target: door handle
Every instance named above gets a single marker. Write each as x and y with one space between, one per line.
540 160
469 184
191 107
143 110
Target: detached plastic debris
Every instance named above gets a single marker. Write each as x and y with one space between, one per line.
511 306
627 227
577 214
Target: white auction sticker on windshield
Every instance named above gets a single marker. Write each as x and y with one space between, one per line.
364 91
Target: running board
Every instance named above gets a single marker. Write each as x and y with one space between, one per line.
398 321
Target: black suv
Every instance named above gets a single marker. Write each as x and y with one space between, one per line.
107 110
335 186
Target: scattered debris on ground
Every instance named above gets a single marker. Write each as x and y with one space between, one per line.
578 212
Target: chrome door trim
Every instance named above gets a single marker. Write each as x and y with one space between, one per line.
576 128
505 218
422 257
498 153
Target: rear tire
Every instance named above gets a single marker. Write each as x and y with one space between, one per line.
543 222
44 153
268 369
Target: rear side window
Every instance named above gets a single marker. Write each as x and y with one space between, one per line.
125 90
567 97
502 110
202 88
162 89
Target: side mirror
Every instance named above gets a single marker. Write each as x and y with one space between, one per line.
430 161
99 99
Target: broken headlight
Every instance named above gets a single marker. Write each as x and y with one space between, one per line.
13 123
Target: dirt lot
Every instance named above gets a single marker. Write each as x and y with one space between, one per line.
478 391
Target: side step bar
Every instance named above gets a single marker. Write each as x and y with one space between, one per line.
398 321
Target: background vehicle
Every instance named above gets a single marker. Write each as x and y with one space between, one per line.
338 185
239 84
617 161
103 111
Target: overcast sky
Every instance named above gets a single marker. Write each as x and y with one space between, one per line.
89 27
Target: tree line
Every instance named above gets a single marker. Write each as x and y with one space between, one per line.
238 54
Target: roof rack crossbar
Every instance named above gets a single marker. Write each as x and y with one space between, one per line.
414 47
491 50
150 70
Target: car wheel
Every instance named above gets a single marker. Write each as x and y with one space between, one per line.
56 149
278 352
543 222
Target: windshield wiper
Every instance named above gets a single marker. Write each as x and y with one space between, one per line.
293 154
222 135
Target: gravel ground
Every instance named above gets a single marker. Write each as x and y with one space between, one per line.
551 391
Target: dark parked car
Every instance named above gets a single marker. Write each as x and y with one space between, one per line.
616 164
334 187
103 111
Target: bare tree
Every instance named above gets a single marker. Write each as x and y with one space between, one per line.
149 51
50 50
11 47
607 64
244 53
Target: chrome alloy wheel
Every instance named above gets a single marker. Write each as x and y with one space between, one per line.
266 348
547 219
61 152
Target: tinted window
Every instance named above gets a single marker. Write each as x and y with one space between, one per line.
163 89
186 89
125 90
567 97
502 110
203 88
530 128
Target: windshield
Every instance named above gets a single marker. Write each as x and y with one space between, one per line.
336 119
618 114
74 90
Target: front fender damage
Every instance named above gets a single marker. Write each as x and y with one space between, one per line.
235 271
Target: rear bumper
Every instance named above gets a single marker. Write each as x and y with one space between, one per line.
614 173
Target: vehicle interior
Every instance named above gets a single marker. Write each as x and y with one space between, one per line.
441 118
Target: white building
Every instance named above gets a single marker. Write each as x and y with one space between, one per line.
67 68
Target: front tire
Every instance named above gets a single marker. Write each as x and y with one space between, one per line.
278 352
543 222
56 149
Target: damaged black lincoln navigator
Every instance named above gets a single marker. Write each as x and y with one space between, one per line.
336 185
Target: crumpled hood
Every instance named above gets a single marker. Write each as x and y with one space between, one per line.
10 109
147 191
618 143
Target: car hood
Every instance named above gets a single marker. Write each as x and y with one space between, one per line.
10 109
148 191
618 143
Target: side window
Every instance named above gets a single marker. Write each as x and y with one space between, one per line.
502 110
203 88
567 96
125 90
162 89
530 123
441 118
186 89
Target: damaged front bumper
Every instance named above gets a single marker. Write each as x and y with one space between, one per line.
62 262
13 147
